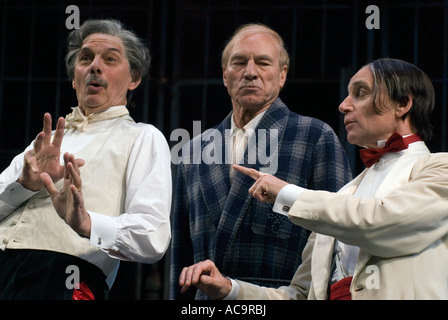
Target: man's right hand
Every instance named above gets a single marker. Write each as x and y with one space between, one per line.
206 276
44 157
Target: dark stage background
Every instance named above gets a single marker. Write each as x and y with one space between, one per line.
327 40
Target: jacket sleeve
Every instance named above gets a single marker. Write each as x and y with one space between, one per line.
404 222
181 246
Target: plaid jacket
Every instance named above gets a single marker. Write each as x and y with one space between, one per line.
213 219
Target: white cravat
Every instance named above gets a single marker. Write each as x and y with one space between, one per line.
77 119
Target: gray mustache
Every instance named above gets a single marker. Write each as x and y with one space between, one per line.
94 79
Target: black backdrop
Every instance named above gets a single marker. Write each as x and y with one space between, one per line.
327 39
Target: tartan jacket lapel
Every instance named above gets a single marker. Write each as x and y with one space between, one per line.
214 177
239 201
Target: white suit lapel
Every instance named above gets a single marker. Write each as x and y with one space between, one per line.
323 250
401 170
398 175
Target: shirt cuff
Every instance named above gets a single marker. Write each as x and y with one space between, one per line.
104 230
286 198
233 294
15 194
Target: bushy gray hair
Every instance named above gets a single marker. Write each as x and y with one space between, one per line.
136 50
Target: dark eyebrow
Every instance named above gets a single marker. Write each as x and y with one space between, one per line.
357 83
88 50
85 50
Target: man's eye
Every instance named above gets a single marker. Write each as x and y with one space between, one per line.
362 92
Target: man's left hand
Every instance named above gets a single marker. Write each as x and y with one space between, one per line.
69 202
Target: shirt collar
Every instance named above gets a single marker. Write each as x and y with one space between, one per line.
382 143
110 108
252 124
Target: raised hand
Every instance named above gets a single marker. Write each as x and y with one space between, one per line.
44 157
69 202
266 186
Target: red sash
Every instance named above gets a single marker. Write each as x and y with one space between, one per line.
341 290
83 293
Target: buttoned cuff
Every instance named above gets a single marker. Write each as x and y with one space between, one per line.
233 294
286 198
15 194
104 230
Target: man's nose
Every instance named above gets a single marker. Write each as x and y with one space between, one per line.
250 73
96 65
346 106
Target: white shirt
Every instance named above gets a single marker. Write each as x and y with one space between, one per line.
141 233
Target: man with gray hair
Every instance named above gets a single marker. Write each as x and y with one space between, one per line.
95 190
214 217
384 235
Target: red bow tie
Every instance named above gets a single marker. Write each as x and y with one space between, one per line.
394 144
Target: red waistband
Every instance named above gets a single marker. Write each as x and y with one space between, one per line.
341 290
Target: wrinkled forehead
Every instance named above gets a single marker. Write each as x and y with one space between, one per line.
257 44
363 77
103 41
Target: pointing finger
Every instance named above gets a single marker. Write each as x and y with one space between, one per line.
254 174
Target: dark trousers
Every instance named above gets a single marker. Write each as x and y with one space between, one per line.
44 275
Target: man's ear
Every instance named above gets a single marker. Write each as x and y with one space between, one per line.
283 74
224 76
403 108
134 84
73 83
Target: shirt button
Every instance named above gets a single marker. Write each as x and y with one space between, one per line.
5 241
30 205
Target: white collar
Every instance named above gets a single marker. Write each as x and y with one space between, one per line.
252 124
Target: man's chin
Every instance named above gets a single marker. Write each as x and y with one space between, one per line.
94 107
252 103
